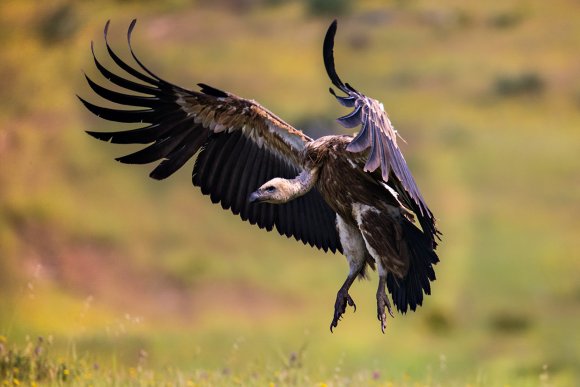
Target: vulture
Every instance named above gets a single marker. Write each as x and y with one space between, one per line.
351 194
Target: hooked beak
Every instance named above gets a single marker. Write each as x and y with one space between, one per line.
254 197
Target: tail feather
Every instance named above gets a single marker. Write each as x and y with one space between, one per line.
408 291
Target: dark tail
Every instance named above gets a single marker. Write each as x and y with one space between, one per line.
408 292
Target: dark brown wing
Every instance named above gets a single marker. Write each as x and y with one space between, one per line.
241 145
377 141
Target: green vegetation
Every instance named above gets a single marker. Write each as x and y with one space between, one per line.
139 282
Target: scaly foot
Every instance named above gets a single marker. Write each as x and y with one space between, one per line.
342 300
382 302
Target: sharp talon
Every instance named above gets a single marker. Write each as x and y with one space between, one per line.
333 324
343 299
383 305
351 302
383 320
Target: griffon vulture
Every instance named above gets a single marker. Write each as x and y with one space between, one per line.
352 194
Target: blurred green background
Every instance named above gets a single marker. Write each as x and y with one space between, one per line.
129 272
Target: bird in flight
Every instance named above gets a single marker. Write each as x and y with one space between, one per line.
351 194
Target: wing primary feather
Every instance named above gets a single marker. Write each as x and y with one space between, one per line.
363 139
124 65
344 101
118 137
328 55
129 33
145 135
120 81
350 88
385 166
170 165
179 157
126 116
153 152
352 119
120 98
373 161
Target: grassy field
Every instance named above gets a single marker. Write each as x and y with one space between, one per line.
131 281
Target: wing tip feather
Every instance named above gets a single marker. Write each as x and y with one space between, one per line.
106 29
131 28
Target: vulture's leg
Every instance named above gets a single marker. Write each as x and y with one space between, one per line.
342 300
382 302
354 248
383 237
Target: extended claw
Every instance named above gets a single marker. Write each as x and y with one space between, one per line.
342 300
382 302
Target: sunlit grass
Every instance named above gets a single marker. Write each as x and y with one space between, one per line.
37 362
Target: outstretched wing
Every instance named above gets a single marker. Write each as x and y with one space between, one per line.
378 139
241 145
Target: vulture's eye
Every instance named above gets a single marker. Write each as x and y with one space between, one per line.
270 189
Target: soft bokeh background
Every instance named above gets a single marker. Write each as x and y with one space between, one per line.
129 272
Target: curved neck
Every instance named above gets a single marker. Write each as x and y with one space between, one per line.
302 183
